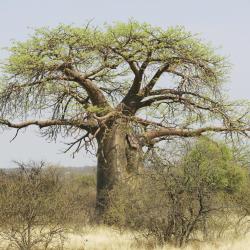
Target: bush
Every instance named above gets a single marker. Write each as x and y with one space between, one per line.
81 192
177 202
34 209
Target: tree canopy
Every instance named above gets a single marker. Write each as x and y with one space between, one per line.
164 82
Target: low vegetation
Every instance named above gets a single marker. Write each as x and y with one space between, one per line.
194 200
199 197
39 205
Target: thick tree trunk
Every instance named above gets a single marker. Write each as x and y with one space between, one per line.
119 160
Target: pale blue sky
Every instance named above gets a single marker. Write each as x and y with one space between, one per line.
223 22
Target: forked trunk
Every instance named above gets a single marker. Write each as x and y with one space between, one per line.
119 160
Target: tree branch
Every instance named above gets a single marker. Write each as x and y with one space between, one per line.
47 123
175 99
165 132
95 94
136 86
146 90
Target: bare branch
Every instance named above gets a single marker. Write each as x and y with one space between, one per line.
136 86
176 99
166 132
48 123
146 90
95 94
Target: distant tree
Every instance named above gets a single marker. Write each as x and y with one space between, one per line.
125 87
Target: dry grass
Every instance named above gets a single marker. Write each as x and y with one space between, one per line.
101 237
104 238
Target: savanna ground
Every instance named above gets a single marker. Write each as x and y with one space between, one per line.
200 201
106 238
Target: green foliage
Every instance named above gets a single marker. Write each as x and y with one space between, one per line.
53 45
211 164
89 47
35 82
175 202
96 109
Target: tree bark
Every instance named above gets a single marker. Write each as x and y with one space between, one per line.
119 160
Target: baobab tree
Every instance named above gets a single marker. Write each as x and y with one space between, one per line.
124 87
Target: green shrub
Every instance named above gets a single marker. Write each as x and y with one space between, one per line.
176 202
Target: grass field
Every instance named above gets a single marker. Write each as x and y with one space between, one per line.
104 238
